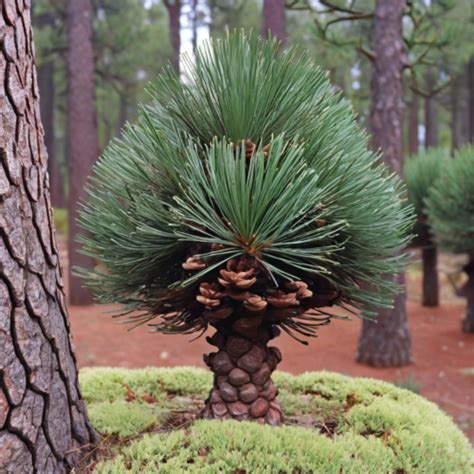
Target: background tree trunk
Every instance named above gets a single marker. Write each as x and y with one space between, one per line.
454 123
82 139
174 13
471 99
273 20
43 422
468 322
413 124
387 343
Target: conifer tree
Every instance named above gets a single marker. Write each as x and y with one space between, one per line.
244 198
450 206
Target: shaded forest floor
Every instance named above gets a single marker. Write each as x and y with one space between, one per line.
443 368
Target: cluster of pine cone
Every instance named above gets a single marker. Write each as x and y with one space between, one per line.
237 290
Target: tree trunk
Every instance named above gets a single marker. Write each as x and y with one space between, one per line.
123 113
243 389
387 343
82 139
194 23
468 322
274 20
455 138
43 421
430 285
174 14
413 125
471 99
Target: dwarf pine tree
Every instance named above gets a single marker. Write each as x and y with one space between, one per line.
421 173
244 198
450 206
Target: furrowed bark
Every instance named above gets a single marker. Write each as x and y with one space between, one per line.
43 421
243 389
386 343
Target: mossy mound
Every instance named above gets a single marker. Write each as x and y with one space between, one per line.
340 424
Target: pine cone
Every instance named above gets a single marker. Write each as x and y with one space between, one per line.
240 280
209 295
301 289
255 303
280 299
194 264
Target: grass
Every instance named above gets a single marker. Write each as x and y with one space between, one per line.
149 418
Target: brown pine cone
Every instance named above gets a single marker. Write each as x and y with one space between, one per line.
240 280
209 295
280 299
301 289
193 264
255 303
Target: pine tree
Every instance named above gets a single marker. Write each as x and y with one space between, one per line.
245 199
421 172
450 206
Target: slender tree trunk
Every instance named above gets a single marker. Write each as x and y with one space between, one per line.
455 139
471 99
430 284
273 20
82 139
194 22
47 91
43 421
468 322
413 125
174 14
123 112
243 389
387 343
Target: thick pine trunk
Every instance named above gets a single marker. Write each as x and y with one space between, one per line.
468 322
43 422
273 20
174 14
243 389
387 342
82 138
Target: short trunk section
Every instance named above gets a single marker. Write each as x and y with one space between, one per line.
468 322
430 276
243 389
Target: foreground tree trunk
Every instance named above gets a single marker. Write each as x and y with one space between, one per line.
43 422
387 343
243 389
174 14
82 139
273 20
468 322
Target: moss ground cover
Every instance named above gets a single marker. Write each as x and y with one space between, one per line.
148 419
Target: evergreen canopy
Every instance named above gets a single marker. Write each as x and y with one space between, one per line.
450 204
253 154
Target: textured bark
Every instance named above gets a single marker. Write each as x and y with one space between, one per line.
413 125
243 389
468 322
273 20
430 284
174 14
47 92
43 422
82 139
386 343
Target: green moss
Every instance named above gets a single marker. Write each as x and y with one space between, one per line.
378 427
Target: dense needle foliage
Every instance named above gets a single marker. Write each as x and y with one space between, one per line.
450 204
310 203
421 173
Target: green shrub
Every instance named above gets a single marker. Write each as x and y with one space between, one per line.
376 427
